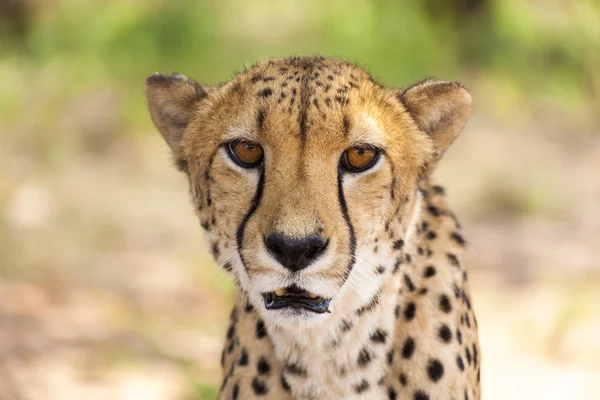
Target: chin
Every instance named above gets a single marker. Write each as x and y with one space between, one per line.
291 318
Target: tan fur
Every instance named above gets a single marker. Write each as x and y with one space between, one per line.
402 282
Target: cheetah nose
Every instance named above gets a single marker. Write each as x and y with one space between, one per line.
295 254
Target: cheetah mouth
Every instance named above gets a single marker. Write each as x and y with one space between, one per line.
294 297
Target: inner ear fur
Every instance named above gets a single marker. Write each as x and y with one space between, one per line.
172 101
441 109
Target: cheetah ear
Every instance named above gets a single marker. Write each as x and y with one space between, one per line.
172 102
439 108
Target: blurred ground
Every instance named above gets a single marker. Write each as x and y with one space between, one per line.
106 289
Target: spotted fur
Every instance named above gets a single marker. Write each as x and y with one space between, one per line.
401 323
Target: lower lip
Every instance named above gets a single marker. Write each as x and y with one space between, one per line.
318 305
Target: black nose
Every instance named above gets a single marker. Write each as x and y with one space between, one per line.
295 254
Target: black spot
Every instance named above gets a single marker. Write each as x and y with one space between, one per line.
255 78
457 291
452 259
260 118
468 354
215 250
295 369
284 384
230 331
268 79
420 251
408 348
228 267
438 189
236 391
457 238
423 291
433 210
346 325
409 311
379 336
261 330
346 126
361 387
230 347
266 92
397 311
390 356
341 100
249 306
403 379
459 362
397 265
475 354
330 77
466 395
371 305
466 300
181 164
260 389
459 336
467 320
435 370
445 333
420 395
398 244
445 305
431 235
380 269
364 357
243 361
429 271
263 366
408 283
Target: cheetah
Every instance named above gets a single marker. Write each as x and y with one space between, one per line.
312 182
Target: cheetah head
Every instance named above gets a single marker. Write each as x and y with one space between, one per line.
304 173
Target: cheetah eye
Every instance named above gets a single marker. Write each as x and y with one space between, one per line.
244 153
358 159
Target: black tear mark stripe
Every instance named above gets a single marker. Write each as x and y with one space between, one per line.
344 208
253 206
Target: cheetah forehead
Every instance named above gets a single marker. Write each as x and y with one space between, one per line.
294 101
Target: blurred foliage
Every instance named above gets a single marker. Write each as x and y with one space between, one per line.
548 49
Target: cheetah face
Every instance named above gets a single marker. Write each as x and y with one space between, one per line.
303 173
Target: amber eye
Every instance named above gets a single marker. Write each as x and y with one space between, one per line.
246 154
358 159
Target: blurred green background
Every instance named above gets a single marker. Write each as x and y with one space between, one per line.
106 290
